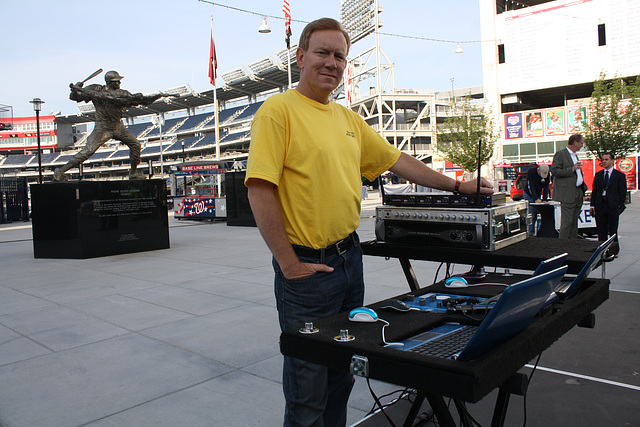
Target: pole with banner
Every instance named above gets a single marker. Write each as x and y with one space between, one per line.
213 73
287 32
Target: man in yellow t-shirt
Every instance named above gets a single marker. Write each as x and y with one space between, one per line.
303 176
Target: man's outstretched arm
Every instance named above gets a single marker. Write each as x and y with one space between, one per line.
415 171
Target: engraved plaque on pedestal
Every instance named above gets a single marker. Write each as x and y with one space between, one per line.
86 219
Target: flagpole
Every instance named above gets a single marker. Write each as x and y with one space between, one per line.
215 106
289 65
287 32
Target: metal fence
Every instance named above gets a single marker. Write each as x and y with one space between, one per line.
14 200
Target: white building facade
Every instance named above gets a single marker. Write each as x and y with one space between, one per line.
540 59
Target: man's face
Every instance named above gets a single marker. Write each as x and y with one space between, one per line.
113 84
322 64
607 161
577 145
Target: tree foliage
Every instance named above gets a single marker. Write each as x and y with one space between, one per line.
615 117
459 135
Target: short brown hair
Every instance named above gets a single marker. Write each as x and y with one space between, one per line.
576 137
322 24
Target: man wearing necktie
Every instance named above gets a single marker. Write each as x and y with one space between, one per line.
607 200
569 186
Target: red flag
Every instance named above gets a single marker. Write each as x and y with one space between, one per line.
287 22
213 61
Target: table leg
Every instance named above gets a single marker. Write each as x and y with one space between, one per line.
409 274
440 410
415 407
516 384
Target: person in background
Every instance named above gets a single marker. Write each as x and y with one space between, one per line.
607 200
306 158
536 191
569 186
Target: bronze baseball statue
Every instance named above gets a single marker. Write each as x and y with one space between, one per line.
110 102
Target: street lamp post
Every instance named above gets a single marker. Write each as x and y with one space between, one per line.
159 121
37 106
453 97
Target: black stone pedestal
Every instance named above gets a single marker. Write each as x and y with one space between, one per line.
86 219
238 208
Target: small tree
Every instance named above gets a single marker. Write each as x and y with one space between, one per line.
459 135
615 117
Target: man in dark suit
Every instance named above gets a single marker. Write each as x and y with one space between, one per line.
607 200
569 186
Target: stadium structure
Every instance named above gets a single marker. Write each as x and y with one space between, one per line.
539 59
183 129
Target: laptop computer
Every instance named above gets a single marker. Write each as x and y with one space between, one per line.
570 287
545 266
440 301
551 264
512 313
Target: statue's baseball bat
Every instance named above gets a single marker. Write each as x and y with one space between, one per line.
95 73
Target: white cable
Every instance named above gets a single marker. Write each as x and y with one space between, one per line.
384 340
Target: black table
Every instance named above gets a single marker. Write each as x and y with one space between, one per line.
435 378
524 255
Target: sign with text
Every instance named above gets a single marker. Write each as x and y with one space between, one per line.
513 126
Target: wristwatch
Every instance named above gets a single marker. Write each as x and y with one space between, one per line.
457 187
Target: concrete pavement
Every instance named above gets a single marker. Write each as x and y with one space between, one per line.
186 336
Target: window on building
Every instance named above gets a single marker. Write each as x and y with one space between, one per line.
501 54
510 150
528 149
546 147
602 36
561 144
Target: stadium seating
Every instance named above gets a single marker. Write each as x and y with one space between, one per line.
168 126
138 128
250 111
18 160
46 159
100 155
177 130
193 122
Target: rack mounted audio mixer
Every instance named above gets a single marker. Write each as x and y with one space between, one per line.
477 228
429 200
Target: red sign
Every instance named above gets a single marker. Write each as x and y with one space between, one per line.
628 166
199 167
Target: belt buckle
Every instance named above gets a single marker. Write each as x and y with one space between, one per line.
337 246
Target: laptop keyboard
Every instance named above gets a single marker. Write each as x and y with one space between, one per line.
446 346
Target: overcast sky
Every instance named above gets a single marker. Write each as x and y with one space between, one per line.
160 44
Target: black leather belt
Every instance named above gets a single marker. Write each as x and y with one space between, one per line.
337 248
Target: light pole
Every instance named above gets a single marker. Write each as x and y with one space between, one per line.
37 106
159 121
453 98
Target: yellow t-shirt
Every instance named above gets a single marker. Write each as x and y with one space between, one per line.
314 154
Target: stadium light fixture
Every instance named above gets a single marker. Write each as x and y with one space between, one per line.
459 49
358 17
37 106
264 28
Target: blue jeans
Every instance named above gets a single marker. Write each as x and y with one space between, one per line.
316 395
